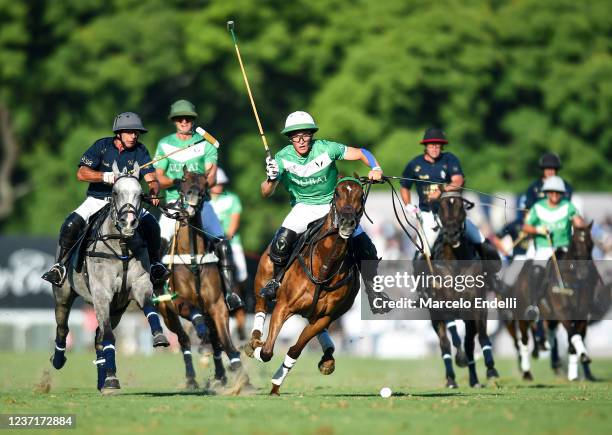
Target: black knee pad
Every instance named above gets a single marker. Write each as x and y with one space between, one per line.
71 230
223 250
282 245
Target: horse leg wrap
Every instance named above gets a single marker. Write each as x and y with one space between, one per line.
487 352
219 369
472 372
572 367
325 341
448 365
452 328
283 370
101 369
152 318
576 340
524 355
258 323
59 359
108 351
189 371
257 354
198 322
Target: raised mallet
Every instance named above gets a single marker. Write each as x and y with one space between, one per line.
230 27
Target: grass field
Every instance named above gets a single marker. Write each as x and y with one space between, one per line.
151 400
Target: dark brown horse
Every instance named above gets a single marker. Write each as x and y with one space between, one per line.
320 285
195 279
520 321
582 296
454 256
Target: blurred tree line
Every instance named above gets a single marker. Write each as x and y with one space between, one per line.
506 79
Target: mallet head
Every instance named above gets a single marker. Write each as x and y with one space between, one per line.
230 26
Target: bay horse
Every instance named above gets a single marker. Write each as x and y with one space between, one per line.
195 279
320 283
115 270
450 250
582 298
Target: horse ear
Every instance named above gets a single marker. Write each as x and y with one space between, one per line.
116 169
355 175
136 170
590 226
185 170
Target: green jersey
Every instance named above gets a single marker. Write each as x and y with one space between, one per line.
225 205
557 220
310 179
196 158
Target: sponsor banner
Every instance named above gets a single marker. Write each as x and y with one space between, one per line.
480 290
23 260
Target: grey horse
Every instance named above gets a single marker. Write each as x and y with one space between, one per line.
115 271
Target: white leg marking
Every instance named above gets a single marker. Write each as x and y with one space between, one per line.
283 370
572 367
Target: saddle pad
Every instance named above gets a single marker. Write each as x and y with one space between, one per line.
186 258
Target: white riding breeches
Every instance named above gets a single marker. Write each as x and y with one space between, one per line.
302 214
431 229
240 262
89 207
210 223
92 205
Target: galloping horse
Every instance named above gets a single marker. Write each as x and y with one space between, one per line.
450 248
582 296
115 270
320 283
195 278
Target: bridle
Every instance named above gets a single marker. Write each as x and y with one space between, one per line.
118 213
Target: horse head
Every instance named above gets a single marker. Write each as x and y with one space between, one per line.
194 189
126 200
581 248
452 216
347 205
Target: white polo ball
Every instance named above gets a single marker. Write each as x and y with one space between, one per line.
385 392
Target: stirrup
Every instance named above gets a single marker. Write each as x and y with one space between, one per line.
269 290
159 272
56 275
233 302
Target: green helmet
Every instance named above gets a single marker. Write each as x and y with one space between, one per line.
182 108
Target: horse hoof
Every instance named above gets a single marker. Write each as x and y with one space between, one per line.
451 383
590 378
492 373
58 361
275 391
476 385
460 358
585 359
235 366
250 347
327 367
111 386
160 340
527 376
558 370
191 384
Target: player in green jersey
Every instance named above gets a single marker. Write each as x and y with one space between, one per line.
201 158
307 169
551 217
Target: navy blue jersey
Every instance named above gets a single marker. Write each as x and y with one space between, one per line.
534 192
100 157
440 171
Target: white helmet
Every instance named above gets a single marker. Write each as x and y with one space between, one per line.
299 121
221 177
553 184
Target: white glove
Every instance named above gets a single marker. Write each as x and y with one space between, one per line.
271 168
411 208
542 230
108 177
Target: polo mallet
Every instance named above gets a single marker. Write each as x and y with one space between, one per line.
207 138
560 288
230 27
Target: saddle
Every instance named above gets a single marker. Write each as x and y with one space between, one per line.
77 256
